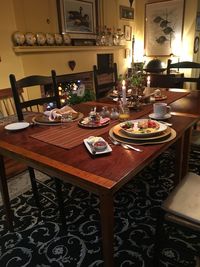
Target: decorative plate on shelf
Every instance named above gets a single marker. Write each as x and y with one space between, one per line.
50 38
30 38
58 38
66 39
18 38
41 38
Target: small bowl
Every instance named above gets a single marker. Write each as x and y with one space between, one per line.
100 145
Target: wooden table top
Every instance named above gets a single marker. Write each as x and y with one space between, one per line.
105 172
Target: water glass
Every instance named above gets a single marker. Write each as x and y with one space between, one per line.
65 119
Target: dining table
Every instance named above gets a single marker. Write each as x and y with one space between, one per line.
60 152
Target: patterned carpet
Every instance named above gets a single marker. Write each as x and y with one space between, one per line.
42 242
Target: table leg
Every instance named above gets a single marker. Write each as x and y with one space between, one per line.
178 159
107 228
5 195
186 151
182 155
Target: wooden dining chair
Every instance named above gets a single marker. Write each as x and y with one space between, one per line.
8 114
183 66
37 104
181 210
105 80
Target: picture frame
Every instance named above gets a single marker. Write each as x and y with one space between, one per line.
126 12
127 32
78 18
196 44
198 22
163 27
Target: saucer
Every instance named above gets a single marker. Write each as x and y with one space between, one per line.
153 116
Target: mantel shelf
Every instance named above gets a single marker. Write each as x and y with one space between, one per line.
47 49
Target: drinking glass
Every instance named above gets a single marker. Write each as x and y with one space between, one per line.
65 119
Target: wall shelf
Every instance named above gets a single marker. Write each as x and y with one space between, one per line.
47 49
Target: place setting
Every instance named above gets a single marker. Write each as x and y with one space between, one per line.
142 132
57 116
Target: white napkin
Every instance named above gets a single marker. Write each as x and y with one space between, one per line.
57 113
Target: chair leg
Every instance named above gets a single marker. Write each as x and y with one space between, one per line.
60 201
34 186
159 234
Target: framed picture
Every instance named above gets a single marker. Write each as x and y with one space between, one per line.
163 27
198 22
196 44
78 18
127 32
126 12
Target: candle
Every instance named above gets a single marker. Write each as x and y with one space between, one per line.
123 92
148 81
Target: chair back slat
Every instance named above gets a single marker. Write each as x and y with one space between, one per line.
186 65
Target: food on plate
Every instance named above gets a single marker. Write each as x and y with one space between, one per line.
98 143
141 126
94 122
56 114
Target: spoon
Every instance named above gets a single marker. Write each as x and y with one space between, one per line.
115 142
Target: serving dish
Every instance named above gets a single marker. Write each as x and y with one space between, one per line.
87 123
43 119
90 149
142 127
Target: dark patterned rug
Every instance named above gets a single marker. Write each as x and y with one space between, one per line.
41 241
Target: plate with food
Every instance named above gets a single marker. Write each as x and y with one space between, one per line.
97 145
142 127
87 122
121 134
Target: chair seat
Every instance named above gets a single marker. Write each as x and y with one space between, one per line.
184 201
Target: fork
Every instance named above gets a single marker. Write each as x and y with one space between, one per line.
115 142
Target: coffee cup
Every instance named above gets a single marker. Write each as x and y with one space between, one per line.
161 110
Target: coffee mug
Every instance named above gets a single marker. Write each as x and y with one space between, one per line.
161 109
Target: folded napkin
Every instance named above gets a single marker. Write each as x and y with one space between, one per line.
57 113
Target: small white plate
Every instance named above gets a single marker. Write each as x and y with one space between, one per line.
153 116
17 126
107 150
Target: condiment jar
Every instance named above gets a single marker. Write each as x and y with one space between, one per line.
105 113
114 114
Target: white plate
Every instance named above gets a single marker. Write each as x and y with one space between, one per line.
153 116
107 150
17 126
162 127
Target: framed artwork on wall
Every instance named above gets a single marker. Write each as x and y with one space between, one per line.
198 22
78 18
126 12
127 32
163 27
196 44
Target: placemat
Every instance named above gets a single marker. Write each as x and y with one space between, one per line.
70 136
